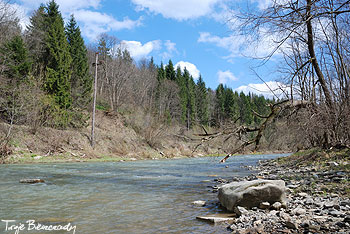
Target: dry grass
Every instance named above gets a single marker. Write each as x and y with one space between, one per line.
115 140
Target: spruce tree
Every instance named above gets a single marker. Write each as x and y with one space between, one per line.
245 109
190 102
35 37
161 72
229 107
58 69
202 101
16 67
181 82
15 60
170 71
81 80
219 104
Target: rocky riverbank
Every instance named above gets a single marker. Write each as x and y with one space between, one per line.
317 197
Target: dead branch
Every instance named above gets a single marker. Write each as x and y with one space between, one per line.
240 131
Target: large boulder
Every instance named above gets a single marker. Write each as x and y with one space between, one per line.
252 193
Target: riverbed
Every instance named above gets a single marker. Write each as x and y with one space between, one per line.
118 197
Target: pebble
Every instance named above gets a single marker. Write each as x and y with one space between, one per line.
298 211
199 203
276 205
264 205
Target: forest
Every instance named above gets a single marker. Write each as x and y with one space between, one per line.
47 81
47 71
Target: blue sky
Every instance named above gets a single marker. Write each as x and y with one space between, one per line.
192 33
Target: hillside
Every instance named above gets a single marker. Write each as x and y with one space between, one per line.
114 141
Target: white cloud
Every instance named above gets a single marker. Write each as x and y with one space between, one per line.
170 50
241 45
224 76
91 21
95 23
139 51
191 68
270 89
64 5
177 9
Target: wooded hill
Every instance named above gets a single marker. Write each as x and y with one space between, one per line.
46 76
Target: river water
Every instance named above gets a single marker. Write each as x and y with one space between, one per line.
117 197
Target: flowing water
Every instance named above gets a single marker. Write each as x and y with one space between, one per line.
117 197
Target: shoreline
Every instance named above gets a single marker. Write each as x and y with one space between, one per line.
318 195
61 158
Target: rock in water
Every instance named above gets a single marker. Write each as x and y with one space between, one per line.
199 203
31 181
216 218
251 193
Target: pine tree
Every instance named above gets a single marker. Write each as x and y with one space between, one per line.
58 72
81 80
219 105
170 71
15 59
183 93
202 102
190 102
16 67
161 72
229 104
245 109
35 37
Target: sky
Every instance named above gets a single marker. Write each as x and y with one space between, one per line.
196 34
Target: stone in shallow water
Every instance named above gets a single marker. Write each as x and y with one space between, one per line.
251 193
199 203
217 218
31 181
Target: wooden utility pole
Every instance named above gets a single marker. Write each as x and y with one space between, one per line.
94 105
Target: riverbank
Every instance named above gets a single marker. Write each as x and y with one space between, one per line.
116 139
318 195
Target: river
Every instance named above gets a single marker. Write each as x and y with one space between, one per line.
117 197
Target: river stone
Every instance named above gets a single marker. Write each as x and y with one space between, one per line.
276 206
217 218
31 181
264 205
291 224
199 203
298 211
240 210
251 193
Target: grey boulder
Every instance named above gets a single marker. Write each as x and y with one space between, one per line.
252 193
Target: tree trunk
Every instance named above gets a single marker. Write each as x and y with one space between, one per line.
311 48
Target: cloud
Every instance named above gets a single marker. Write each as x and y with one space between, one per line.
170 50
64 5
91 21
224 76
177 9
95 23
279 90
139 51
191 68
242 45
